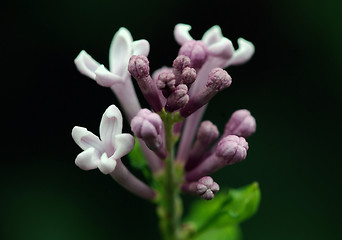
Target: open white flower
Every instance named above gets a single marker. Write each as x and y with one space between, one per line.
117 77
121 49
218 46
103 152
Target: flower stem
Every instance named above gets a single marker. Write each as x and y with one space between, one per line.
171 206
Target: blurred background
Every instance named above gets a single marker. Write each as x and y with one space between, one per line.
292 86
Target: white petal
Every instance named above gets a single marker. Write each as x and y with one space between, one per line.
124 144
105 78
223 49
141 47
243 54
86 64
120 51
86 139
111 125
181 33
87 159
213 35
106 165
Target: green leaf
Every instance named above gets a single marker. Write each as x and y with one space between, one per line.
229 232
226 209
138 161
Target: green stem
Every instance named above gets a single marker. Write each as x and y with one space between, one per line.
171 203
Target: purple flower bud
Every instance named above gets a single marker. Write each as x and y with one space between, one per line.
204 187
241 123
218 80
178 99
230 149
197 51
179 64
206 134
139 68
188 76
149 127
167 83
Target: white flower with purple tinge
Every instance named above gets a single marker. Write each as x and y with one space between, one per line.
117 77
103 152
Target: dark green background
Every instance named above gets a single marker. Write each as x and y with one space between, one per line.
292 87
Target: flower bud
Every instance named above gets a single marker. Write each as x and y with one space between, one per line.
218 80
178 99
230 150
148 126
204 187
241 123
206 134
188 76
197 51
179 64
166 83
139 68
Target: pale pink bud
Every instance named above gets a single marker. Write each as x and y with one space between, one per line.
148 126
230 149
206 134
241 123
197 51
166 83
188 76
204 187
218 80
139 68
179 64
178 99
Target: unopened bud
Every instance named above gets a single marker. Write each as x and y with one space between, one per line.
241 123
138 66
166 83
179 64
204 187
218 80
230 150
188 76
178 99
148 126
197 51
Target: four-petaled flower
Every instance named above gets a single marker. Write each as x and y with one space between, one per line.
103 152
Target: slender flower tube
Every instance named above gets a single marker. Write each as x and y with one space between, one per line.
149 127
207 133
221 54
139 68
118 78
125 178
204 187
217 81
230 150
241 123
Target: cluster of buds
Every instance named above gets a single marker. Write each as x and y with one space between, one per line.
185 89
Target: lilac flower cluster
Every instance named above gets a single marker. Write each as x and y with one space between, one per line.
182 90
